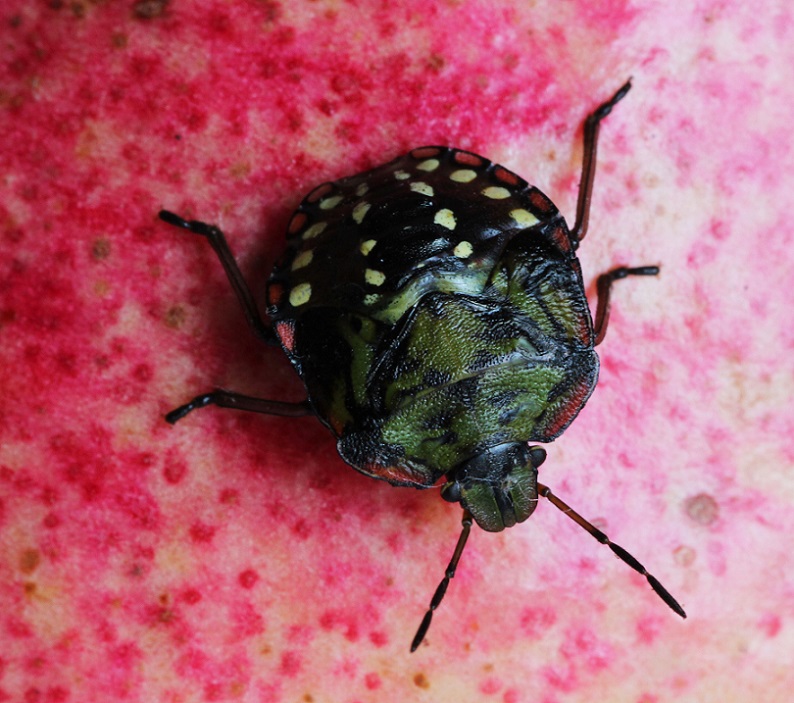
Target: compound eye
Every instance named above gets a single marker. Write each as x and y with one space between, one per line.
537 455
450 492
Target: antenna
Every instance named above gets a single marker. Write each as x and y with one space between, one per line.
561 505
661 591
438 596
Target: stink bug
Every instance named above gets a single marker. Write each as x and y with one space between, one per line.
434 309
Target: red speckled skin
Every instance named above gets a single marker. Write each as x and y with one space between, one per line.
238 558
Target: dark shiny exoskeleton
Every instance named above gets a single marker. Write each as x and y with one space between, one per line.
435 310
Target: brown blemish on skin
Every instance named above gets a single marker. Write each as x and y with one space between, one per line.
100 249
165 613
237 688
420 681
29 560
684 556
436 63
136 571
702 508
242 169
175 317
149 9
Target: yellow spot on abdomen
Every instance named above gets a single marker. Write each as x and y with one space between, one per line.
445 218
463 175
523 218
302 259
314 230
359 211
330 203
374 278
496 193
300 294
423 188
366 247
463 250
428 165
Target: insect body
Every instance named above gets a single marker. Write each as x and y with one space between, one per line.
435 311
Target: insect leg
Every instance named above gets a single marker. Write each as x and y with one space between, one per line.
218 242
438 596
604 289
661 591
591 127
237 401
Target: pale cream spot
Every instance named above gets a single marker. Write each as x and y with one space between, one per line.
463 250
374 278
496 193
422 188
363 189
366 247
330 203
300 294
402 175
302 259
314 230
463 175
359 211
445 218
523 218
428 165
371 299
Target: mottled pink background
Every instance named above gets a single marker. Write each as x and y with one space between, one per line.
235 557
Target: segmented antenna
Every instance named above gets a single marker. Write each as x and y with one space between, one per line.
561 505
438 596
661 591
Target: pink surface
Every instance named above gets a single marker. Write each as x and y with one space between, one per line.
236 557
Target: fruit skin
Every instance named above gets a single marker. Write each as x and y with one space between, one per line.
126 545
435 310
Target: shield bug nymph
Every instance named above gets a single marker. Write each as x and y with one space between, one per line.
435 310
